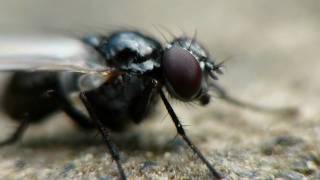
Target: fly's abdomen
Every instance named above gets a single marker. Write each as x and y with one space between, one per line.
31 95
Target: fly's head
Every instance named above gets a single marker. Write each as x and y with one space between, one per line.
187 69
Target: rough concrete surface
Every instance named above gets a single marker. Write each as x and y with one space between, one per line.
273 60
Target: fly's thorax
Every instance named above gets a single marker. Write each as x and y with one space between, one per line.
131 51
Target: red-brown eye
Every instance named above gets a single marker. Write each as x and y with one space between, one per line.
182 72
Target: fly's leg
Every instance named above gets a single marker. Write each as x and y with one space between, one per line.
16 135
105 135
81 119
182 133
77 116
223 94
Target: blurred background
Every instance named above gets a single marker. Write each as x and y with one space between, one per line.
272 50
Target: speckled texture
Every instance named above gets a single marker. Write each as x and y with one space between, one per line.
273 52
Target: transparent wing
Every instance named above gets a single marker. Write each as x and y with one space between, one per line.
47 52
54 53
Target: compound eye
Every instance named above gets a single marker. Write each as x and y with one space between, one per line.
182 72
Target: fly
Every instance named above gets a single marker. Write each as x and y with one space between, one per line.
117 77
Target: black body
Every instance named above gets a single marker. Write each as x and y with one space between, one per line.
34 95
143 68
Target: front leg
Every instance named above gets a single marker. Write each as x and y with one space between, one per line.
182 133
224 95
105 134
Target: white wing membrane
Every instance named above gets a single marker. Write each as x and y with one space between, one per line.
49 53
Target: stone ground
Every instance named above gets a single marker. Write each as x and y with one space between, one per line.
273 53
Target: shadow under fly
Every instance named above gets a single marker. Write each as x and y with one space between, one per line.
117 77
